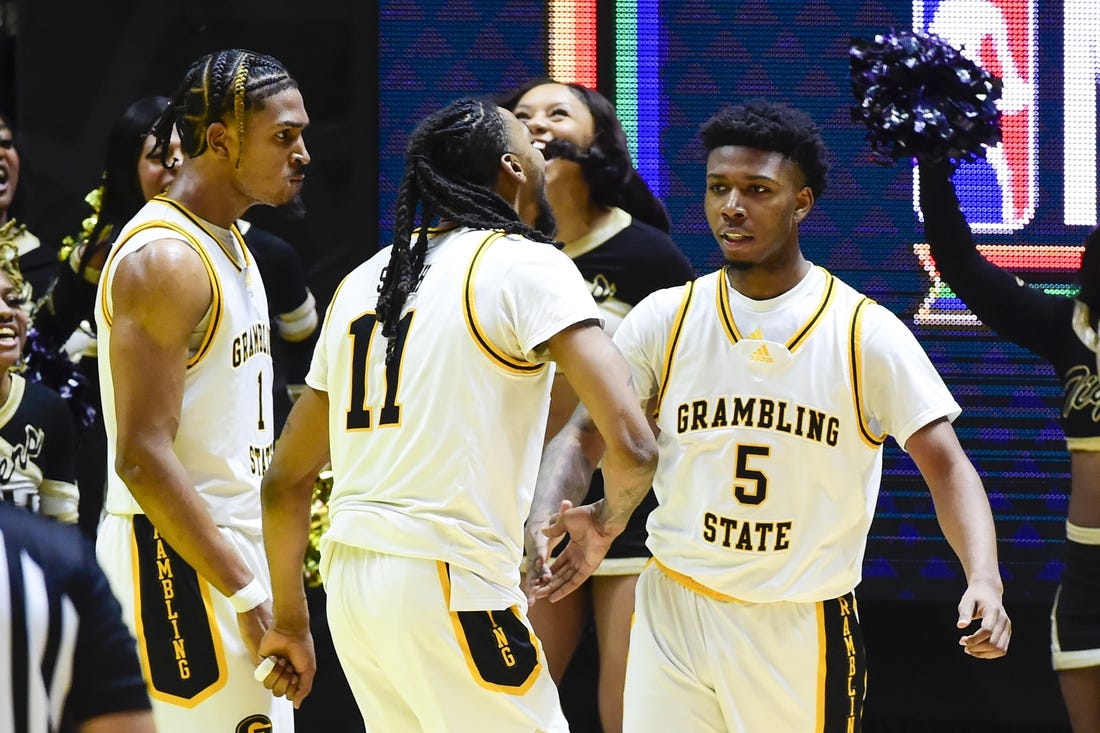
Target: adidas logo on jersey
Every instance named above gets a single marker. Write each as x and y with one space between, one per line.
761 354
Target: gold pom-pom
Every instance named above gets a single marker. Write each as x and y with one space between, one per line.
318 525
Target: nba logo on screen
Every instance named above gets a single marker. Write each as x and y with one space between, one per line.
997 193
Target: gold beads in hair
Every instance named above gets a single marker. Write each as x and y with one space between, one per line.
240 78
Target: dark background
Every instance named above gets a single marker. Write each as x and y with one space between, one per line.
369 71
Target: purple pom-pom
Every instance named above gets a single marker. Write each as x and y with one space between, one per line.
921 99
53 368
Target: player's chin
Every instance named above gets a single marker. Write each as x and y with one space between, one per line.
280 199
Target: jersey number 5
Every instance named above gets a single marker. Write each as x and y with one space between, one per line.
750 486
361 331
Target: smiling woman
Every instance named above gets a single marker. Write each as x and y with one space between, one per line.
37 435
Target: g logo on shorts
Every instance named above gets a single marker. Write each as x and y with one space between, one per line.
255 724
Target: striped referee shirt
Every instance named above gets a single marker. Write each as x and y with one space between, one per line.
65 655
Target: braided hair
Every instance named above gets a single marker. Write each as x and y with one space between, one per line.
220 86
451 166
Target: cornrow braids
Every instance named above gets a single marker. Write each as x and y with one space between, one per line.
239 81
218 87
451 165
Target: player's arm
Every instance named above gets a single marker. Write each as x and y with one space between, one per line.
300 454
962 509
610 425
160 294
1027 316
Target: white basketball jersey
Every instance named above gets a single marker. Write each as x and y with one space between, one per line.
226 425
435 455
770 444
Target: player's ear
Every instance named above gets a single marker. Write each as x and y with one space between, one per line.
804 201
217 138
512 167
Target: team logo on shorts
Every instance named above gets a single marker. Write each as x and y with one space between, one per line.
255 724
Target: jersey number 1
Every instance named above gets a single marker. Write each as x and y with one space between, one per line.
361 331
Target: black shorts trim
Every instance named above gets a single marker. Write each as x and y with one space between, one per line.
178 636
501 652
844 666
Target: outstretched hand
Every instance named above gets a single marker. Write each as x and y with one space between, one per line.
295 664
537 548
990 641
589 539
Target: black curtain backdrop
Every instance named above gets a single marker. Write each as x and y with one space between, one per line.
77 66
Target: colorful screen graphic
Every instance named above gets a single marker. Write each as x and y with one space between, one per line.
674 62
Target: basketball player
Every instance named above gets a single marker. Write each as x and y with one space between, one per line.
429 390
185 367
616 232
774 385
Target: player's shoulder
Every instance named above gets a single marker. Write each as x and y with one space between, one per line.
511 261
879 327
848 297
363 278
520 249
662 305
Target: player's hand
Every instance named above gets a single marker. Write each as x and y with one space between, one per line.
537 548
295 663
990 641
590 536
252 625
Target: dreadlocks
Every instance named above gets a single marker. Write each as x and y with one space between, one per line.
220 86
451 165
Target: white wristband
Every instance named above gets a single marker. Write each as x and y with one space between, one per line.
248 597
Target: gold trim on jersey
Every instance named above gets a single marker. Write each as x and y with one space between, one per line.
694 585
725 313
816 319
460 637
855 363
474 325
203 225
616 221
822 664
1082 535
435 231
15 396
673 340
1089 443
215 312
